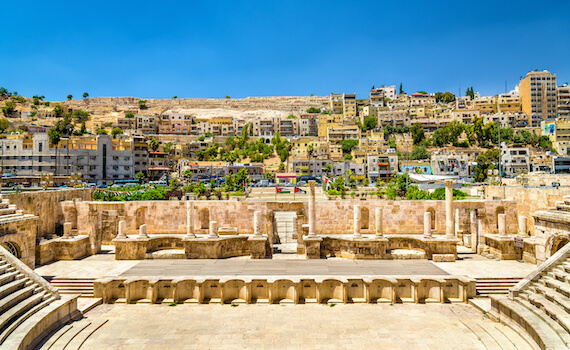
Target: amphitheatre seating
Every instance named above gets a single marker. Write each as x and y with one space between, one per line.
540 303
30 308
292 290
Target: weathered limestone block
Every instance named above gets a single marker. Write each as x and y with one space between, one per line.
443 257
313 247
213 230
522 226
502 247
257 246
67 230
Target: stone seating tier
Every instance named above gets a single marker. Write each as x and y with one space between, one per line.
540 303
294 290
29 307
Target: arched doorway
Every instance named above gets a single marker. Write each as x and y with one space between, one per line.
12 248
558 244
364 218
205 219
433 222
500 210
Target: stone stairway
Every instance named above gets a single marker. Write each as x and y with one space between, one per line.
65 285
268 194
540 303
30 307
72 336
487 286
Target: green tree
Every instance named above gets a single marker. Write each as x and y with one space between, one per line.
115 132
401 89
347 157
69 97
420 153
314 110
129 115
85 95
470 92
153 144
418 133
4 124
422 92
310 150
58 110
142 104
445 97
348 145
328 168
80 116
370 123
102 132
291 116
140 176
169 145
54 136
9 108
485 160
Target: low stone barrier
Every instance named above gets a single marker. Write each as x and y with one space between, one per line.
63 248
380 289
137 247
503 248
379 248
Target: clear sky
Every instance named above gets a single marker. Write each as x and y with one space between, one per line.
159 49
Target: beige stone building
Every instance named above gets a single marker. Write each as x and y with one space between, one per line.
564 101
538 96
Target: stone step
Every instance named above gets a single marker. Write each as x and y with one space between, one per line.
566 266
28 320
543 316
551 309
80 338
8 277
8 211
15 297
553 296
560 274
486 286
524 310
11 286
19 309
555 284
65 339
4 205
54 338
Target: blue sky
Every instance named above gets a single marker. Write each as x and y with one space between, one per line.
152 49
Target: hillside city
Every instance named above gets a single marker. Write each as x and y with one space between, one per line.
106 141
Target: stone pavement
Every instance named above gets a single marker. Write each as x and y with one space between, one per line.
343 326
105 265
269 267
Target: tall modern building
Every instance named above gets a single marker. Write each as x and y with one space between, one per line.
538 96
564 101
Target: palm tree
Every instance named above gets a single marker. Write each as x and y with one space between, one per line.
153 143
310 150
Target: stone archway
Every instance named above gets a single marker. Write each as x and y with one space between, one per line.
13 248
365 218
558 243
205 218
140 217
500 210
433 221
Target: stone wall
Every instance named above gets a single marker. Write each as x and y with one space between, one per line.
45 205
528 200
22 233
99 219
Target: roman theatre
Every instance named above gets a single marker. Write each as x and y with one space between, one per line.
304 272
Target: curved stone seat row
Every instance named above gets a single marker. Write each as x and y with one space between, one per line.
393 289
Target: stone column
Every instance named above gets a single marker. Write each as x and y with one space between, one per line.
190 220
257 223
67 230
473 229
522 226
357 222
378 217
449 220
213 230
122 228
427 224
142 232
480 233
502 224
312 211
